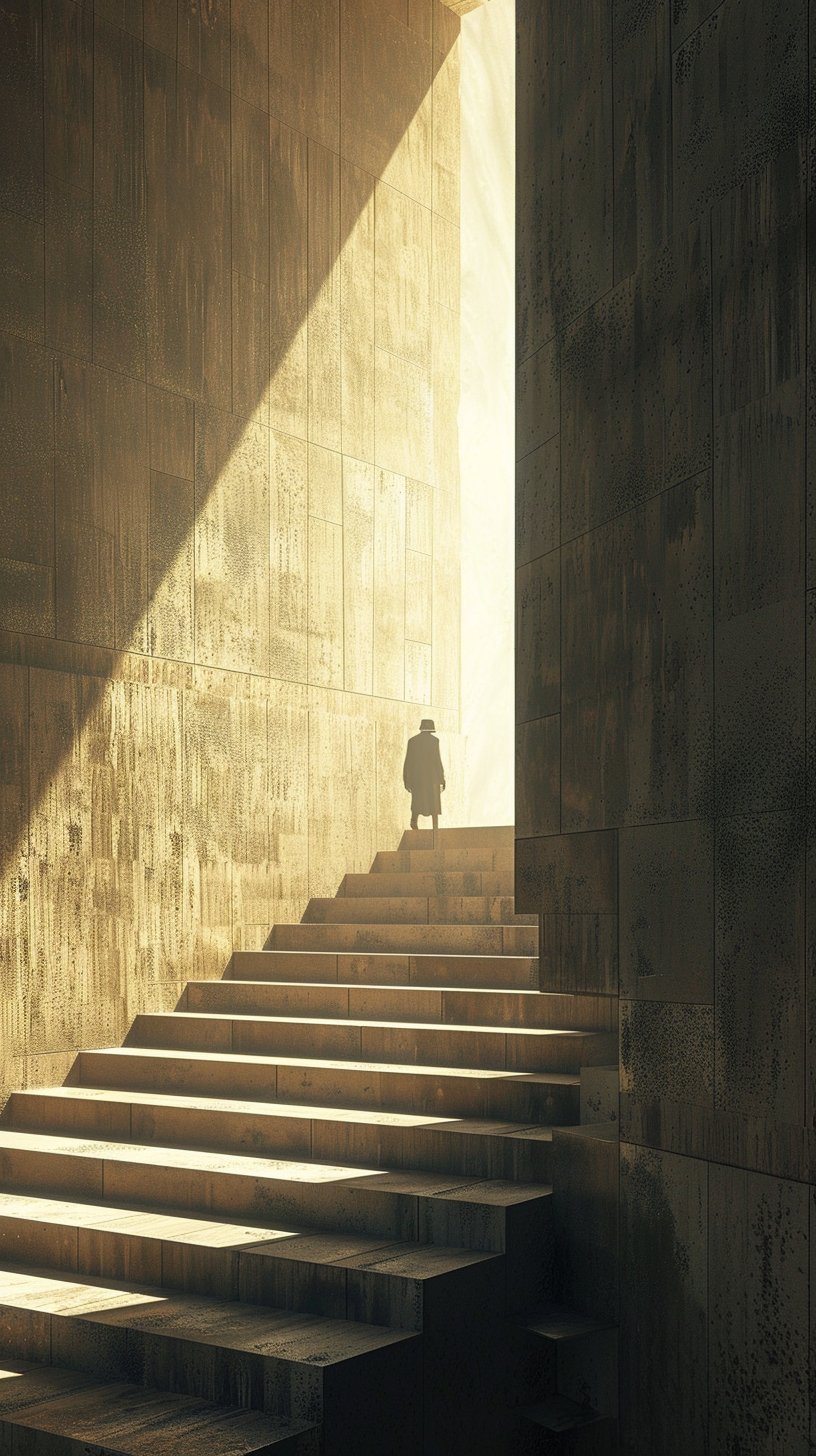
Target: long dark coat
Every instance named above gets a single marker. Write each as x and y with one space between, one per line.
423 774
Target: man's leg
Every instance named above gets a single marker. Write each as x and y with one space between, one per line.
413 821
435 818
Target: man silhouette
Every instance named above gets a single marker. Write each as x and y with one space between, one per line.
423 774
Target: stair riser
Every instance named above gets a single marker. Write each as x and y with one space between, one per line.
430 1046
369 1295
426 1149
487 836
286 1388
416 910
398 1091
488 940
454 883
444 861
346 1206
510 972
385 1003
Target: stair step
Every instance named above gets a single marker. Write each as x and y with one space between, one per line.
411 910
400 1205
558 1323
523 1097
251 1356
468 1147
451 860
492 836
453 883
397 1003
343 1276
53 1412
492 940
494 972
521 1049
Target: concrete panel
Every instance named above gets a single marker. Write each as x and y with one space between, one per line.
326 485
250 190
446 262
758 1301
446 113
68 92
666 890
288 579
418 597
538 400
564 89
585 1219
402 316
250 850
538 638
446 588
189 280
323 328
22 271
739 98
664 1301
358 576
171 573
417 672
667 1051
27 454
579 953
26 597
643 172
288 273
567 874
419 516
304 67
389 584
209 757
325 649
634 412
288 754
170 420
538 777
404 417
341 798
386 72
160 25
249 52
231 542
101 506
21 117
68 268
204 38
637 705
121 146
357 311
14 884
759 980
538 502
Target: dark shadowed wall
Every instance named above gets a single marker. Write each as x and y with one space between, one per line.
664 779
229 293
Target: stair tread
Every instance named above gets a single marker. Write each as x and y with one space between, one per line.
559 1322
421 1261
561 1079
559 1413
367 1023
134 1419
416 1183
318 1339
465 1125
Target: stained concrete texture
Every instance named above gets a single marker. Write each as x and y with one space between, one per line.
664 689
229 532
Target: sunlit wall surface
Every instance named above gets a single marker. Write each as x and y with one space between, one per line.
229 495
486 414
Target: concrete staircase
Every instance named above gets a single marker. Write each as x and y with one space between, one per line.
310 1210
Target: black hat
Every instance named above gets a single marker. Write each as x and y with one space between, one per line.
427 726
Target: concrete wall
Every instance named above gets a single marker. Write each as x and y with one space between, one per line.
665 690
229 530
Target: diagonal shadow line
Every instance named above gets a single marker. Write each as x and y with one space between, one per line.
93 665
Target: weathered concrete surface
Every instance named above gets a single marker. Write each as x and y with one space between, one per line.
665 687
229 252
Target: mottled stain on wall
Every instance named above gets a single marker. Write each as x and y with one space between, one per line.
229 252
665 700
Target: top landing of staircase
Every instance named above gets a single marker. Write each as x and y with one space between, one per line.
484 836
